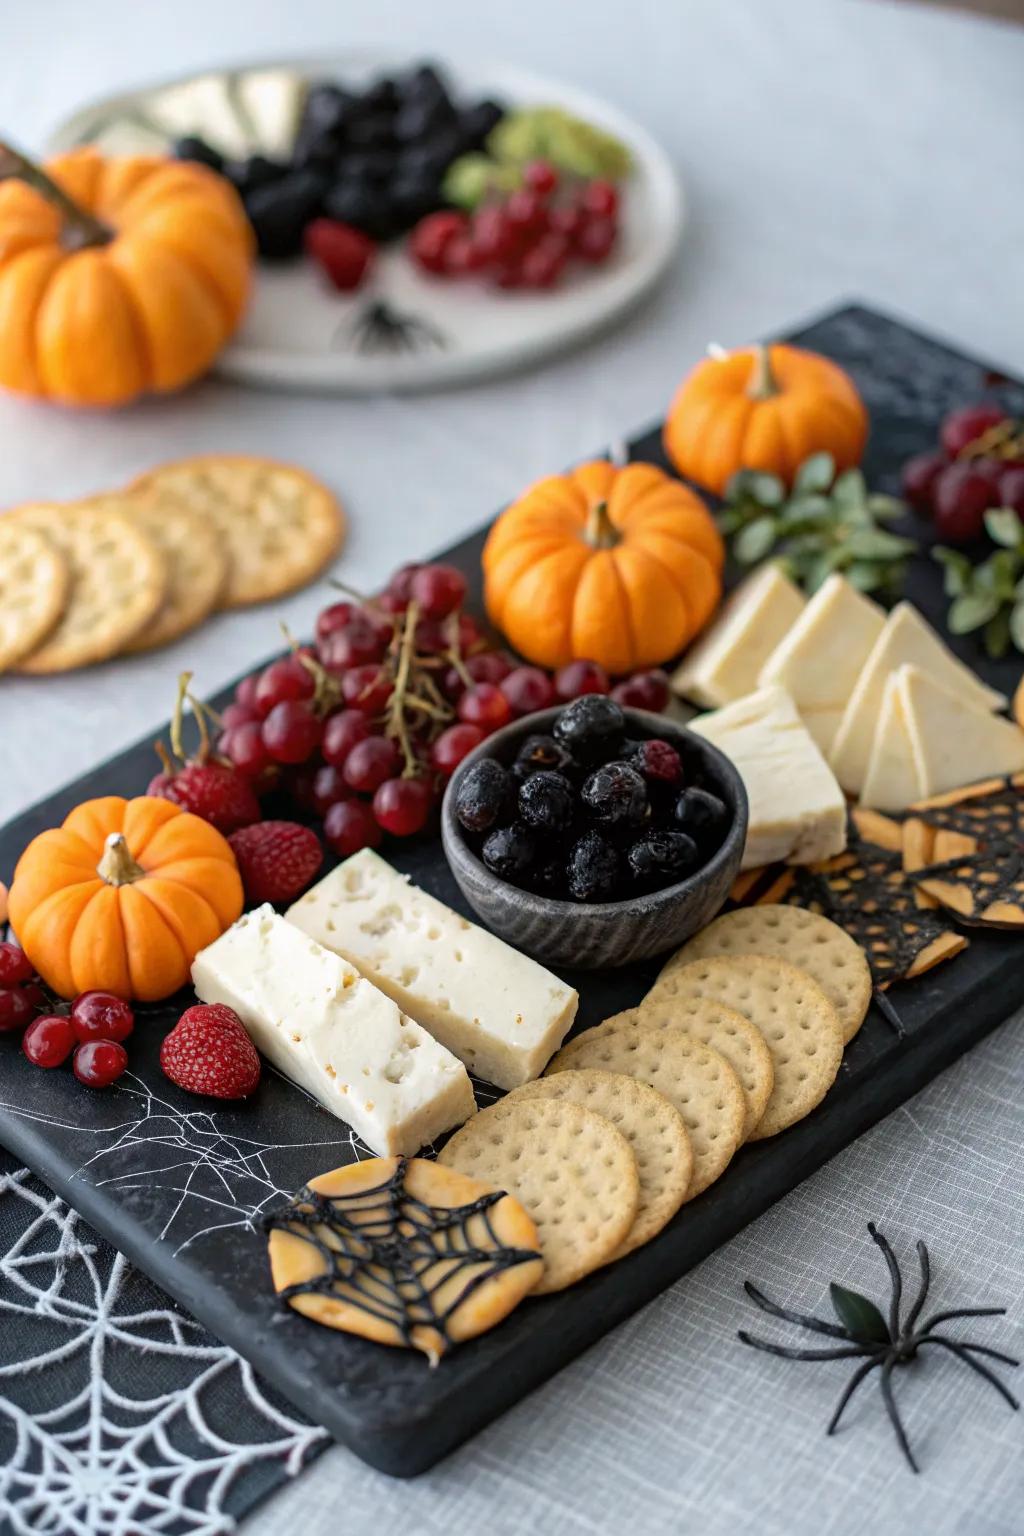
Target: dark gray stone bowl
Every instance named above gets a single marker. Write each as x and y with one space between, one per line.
610 933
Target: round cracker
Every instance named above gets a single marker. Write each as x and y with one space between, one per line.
806 939
197 566
725 1030
654 1130
34 582
570 1168
278 525
800 1026
118 579
695 1079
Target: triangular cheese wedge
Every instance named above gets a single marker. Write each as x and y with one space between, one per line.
954 742
891 782
725 662
819 661
906 640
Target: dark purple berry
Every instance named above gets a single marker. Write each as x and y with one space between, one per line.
615 793
702 816
661 858
509 852
484 795
591 728
593 869
542 752
547 801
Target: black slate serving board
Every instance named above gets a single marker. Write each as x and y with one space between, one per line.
179 1184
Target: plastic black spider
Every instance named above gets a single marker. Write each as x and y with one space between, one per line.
379 328
882 1345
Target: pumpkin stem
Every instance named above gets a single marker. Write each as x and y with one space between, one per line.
762 381
600 532
80 229
117 867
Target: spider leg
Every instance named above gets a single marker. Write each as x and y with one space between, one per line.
893 1412
976 1365
895 1278
926 1280
948 1317
983 1349
851 1387
799 1354
814 1324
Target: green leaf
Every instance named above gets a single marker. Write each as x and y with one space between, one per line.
971 611
1004 573
859 1316
867 575
877 544
850 489
805 509
815 474
997 634
816 570
958 569
1016 623
766 490
730 519
886 506
1003 526
754 541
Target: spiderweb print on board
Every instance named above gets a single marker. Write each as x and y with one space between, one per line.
118 1413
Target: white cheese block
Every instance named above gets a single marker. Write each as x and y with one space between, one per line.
205 106
797 810
891 782
500 1012
906 640
819 660
955 742
725 663
273 100
323 1025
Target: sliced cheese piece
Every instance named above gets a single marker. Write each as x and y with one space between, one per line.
907 640
820 659
955 742
797 810
500 1012
319 1022
725 663
892 782
205 106
273 100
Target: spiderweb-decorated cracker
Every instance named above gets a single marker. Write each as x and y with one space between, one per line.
965 851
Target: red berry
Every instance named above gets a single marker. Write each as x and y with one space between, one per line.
566 220
486 706
525 212
245 691
581 677
402 806
1011 488
341 732
463 257
359 642
247 749
344 254
49 1040
237 714
544 264
367 688
276 860
369 763
17 1007
493 236
961 499
600 199
328 788
209 1052
438 589
659 761
15 966
528 689
919 476
453 745
283 679
351 825
101 1016
965 426
595 241
644 690
217 793
98 1063
333 618
429 241
431 637
541 177
291 732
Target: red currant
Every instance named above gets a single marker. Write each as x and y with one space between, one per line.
367 688
600 199
402 806
350 825
453 745
566 220
328 788
98 1063
333 618
49 1040
644 690
541 177
1011 488
493 236
291 732
341 732
284 679
528 689
919 476
438 589
17 1007
15 966
101 1016
961 499
595 241
581 677
429 241
245 691
247 749
369 763
486 706
963 427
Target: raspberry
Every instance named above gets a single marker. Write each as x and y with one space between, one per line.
209 1052
216 793
344 254
276 859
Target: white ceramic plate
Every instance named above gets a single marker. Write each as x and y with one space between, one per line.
298 333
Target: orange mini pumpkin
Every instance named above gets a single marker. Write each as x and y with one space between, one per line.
123 896
619 566
118 276
764 408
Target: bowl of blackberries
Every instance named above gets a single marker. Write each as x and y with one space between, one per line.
594 836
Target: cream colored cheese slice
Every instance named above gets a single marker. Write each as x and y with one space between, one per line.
954 742
725 663
891 782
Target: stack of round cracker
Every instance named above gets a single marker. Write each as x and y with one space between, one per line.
129 571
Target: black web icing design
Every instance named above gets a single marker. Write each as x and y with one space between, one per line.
392 1253
994 871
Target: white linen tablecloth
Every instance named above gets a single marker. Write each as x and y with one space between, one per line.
830 149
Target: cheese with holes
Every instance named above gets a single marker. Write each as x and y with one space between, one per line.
819 661
907 640
797 810
312 1015
500 1012
726 660
891 782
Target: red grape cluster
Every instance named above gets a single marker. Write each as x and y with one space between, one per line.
364 728
93 1028
979 465
524 240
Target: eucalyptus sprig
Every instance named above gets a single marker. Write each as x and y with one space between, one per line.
826 523
989 595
